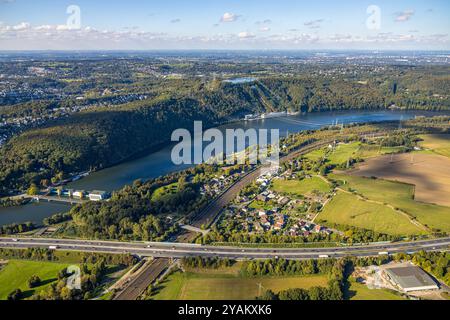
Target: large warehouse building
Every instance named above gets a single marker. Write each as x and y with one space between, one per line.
409 277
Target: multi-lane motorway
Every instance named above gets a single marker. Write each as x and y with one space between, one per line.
149 273
179 250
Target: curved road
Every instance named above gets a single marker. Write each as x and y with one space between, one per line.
179 250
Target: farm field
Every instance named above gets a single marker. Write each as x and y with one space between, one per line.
439 143
348 209
340 155
429 173
344 152
399 195
354 150
17 272
203 286
301 187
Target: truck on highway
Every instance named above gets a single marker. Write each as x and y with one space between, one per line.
53 247
383 253
323 256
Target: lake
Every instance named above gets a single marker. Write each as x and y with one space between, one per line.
159 163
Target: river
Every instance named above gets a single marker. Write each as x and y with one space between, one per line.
159 163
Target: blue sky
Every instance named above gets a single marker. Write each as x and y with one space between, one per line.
225 24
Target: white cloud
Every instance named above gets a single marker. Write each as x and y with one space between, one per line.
229 17
264 29
62 27
404 15
245 35
24 36
21 26
43 27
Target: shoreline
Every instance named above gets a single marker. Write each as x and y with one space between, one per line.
155 148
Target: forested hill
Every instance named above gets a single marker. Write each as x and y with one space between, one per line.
103 136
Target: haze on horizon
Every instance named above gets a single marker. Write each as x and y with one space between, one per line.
224 25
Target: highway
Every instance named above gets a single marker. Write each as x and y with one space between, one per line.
180 250
149 273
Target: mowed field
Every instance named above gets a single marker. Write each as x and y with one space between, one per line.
429 173
358 291
439 143
399 195
204 286
17 272
300 187
348 209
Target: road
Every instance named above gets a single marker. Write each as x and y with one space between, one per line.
180 250
149 273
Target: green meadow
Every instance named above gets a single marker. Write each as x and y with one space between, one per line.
348 209
301 187
205 286
399 195
17 272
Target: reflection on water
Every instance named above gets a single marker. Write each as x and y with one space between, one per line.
159 163
240 80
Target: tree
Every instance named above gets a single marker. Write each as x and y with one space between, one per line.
34 281
33 190
15 295
268 295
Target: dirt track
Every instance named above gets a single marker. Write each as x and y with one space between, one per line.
429 173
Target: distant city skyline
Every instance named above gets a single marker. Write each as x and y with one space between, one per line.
224 25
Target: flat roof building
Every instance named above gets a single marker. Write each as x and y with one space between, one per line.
97 195
409 277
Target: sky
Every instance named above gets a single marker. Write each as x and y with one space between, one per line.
224 24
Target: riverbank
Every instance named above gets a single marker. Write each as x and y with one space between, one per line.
158 161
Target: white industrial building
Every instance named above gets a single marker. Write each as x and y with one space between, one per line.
408 277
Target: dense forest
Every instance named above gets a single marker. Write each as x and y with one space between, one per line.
103 136
133 214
